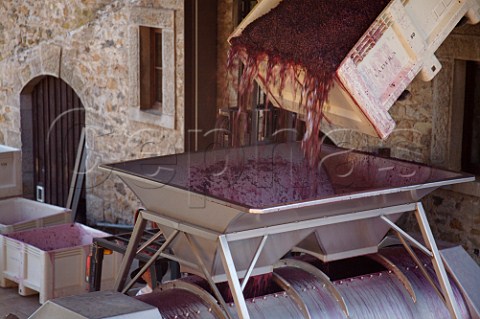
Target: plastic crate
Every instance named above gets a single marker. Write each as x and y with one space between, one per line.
10 172
17 214
52 261
398 46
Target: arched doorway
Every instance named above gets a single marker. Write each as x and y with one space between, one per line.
53 118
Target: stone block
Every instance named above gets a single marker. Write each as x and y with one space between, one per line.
67 68
157 18
133 74
51 59
95 208
77 83
25 74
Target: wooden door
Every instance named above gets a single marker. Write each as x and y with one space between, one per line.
58 118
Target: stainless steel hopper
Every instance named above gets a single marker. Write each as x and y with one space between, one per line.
229 214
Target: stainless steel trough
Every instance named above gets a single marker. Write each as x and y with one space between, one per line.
229 191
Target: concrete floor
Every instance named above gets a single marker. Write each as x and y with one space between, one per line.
12 302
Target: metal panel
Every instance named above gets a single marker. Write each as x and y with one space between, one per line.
467 275
96 305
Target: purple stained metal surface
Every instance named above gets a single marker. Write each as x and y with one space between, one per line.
427 298
317 299
376 295
277 174
259 184
279 306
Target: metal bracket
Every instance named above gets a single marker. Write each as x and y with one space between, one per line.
208 277
283 283
254 261
387 263
152 259
232 276
432 251
201 293
321 276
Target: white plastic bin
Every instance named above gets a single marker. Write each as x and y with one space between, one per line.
10 172
398 46
17 214
52 261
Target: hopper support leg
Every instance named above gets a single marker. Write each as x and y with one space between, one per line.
152 259
233 280
437 262
130 252
430 250
207 274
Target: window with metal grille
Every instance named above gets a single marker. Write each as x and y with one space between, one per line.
151 69
471 120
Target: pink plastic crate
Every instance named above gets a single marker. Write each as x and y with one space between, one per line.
52 261
18 214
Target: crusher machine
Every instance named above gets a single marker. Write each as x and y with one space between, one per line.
265 236
262 235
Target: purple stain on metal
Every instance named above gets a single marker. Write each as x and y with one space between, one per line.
279 308
260 182
271 175
378 297
374 297
281 181
427 299
319 301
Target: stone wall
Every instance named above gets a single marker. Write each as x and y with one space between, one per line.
90 45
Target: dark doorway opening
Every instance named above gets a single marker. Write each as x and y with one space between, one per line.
52 120
471 120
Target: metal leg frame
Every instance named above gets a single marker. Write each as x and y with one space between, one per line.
432 251
208 276
151 260
420 266
233 280
130 252
437 261
192 231
254 261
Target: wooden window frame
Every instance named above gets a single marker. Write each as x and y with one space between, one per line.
163 19
149 37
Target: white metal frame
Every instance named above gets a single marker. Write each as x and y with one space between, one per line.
237 285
